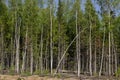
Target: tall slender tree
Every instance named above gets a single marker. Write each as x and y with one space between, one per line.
51 41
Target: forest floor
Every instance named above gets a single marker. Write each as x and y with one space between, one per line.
33 77
37 77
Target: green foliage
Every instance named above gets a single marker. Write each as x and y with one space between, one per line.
90 13
117 74
37 72
60 12
58 75
45 72
3 9
27 73
11 70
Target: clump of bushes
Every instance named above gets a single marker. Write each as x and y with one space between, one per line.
26 73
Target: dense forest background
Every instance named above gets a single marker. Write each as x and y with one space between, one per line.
49 36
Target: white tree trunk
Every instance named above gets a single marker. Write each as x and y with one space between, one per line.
116 62
77 47
41 51
101 64
31 59
17 39
51 42
95 59
90 48
25 51
109 36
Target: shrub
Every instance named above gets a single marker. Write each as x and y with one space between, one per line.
117 74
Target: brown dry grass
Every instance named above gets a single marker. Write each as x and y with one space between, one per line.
34 77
